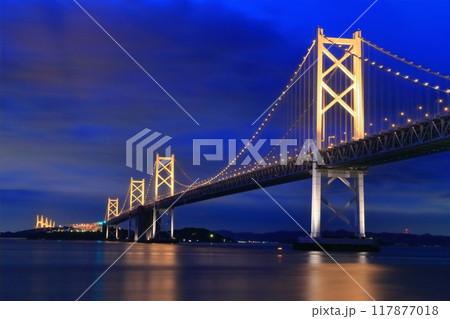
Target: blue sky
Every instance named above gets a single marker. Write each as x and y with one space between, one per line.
70 98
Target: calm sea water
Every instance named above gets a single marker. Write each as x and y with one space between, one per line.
62 270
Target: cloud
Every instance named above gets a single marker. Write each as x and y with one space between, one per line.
70 98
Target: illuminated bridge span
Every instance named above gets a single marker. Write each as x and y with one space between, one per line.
361 104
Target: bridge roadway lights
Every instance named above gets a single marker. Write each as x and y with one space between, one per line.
317 198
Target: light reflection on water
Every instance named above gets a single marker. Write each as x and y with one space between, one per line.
327 281
49 270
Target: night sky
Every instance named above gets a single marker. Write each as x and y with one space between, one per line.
70 98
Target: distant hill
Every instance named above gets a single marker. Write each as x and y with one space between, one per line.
385 238
278 236
22 233
203 235
53 235
194 235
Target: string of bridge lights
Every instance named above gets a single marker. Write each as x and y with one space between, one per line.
254 165
288 86
396 73
125 201
266 158
181 184
272 107
272 160
149 184
395 56
409 119
236 171
183 171
292 81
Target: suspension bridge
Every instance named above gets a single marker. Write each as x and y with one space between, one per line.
362 105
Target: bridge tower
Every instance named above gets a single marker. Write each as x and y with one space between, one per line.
326 99
39 221
137 190
164 177
112 211
164 174
137 193
42 222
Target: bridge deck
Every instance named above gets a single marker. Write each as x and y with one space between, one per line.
414 140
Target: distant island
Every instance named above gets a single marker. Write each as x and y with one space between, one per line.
186 235
386 239
202 235
54 234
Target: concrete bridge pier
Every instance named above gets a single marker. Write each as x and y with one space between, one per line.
172 216
136 228
130 226
143 223
157 216
353 179
155 221
111 232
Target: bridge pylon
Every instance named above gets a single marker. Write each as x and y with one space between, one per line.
164 177
349 98
39 221
353 179
42 222
164 174
136 199
137 191
112 211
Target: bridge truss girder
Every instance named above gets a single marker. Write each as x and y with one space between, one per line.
386 145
